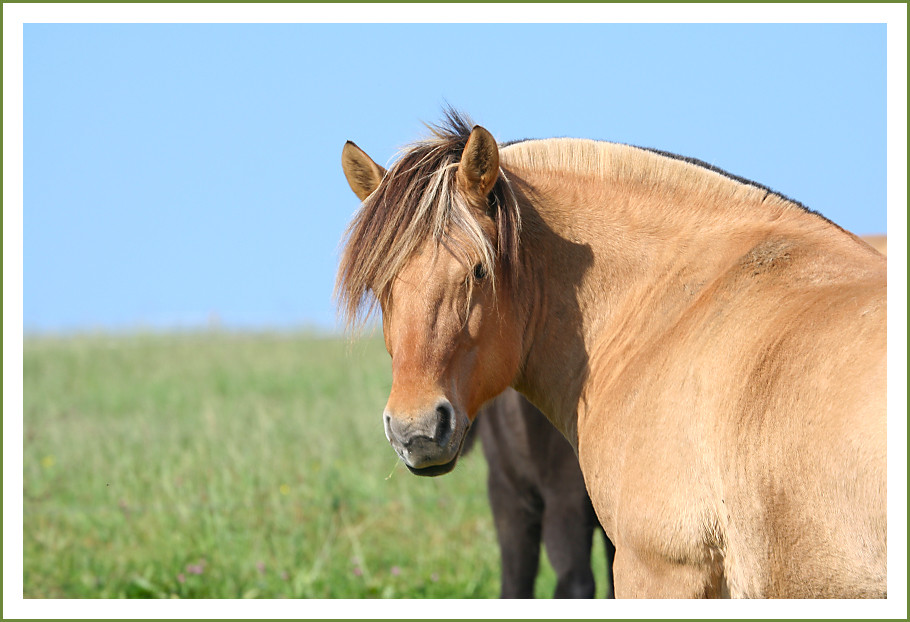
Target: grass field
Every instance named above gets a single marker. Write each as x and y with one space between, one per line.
218 465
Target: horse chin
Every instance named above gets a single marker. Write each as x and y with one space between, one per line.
434 470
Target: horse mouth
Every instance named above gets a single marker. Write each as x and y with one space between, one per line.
423 456
434 470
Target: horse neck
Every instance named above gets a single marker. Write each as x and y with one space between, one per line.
608 268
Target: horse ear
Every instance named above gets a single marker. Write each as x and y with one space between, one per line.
362 173
479 166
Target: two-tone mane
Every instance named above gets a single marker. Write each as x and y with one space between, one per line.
634 167
416 201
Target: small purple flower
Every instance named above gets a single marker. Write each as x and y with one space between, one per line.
181 578
357 571
260 566
195 569
284 575
395 571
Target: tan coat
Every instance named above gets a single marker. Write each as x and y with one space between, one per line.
714 352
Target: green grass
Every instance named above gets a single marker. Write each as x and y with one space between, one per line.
218 465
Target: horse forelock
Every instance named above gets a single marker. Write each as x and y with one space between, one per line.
416 202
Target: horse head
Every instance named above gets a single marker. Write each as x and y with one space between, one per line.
435 245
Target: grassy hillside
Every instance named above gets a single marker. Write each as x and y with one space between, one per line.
216 465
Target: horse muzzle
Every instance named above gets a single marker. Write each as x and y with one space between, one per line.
429 442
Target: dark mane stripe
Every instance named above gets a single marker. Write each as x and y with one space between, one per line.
705 165
728 175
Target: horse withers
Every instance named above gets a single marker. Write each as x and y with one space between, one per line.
714 351
537 494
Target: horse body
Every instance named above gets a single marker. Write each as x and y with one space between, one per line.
719 389
714 352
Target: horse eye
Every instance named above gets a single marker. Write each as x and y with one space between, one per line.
479 272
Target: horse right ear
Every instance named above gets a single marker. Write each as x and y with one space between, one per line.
479 166
362 173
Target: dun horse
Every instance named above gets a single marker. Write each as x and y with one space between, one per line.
537 493
714 351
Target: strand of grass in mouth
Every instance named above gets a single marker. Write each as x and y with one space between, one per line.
398 461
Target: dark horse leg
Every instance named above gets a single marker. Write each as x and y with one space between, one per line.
568 534
569 520
569 551
518 529
536 491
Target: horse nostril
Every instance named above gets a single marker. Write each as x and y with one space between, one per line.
386 423
444 420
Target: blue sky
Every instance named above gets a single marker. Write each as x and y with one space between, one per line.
177 173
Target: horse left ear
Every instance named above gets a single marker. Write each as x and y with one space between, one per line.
479 166
363 175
